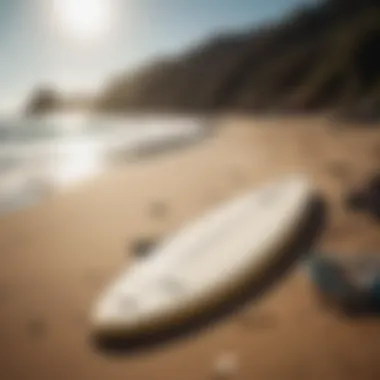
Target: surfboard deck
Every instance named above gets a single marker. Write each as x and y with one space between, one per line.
231 255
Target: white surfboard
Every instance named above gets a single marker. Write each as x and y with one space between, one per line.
207 263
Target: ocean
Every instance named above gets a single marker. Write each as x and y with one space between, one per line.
40 156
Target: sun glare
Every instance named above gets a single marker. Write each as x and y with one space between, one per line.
82 19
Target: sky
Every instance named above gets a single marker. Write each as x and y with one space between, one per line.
77 44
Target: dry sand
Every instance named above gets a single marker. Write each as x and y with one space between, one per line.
56 257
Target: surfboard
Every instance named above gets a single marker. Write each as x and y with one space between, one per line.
241 247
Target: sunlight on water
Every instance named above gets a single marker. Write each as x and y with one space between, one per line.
41 156
81 161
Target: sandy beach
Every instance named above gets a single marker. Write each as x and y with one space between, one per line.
57 256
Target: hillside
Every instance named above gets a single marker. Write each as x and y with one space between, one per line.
325 56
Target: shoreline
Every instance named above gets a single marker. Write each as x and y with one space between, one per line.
43 168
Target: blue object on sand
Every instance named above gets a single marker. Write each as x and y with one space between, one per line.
328 276
350 281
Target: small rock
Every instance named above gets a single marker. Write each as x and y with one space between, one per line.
355 200
366 198
374 194
226 365
142 247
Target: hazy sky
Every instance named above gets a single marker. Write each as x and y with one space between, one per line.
75 47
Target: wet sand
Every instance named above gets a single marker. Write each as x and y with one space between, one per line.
56 257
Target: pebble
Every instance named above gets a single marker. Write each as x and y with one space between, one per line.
143 247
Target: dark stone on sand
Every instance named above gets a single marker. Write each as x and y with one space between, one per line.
143 247
36 328
355 201
373 194
337 290
367 198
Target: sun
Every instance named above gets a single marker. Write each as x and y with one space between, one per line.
82 19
